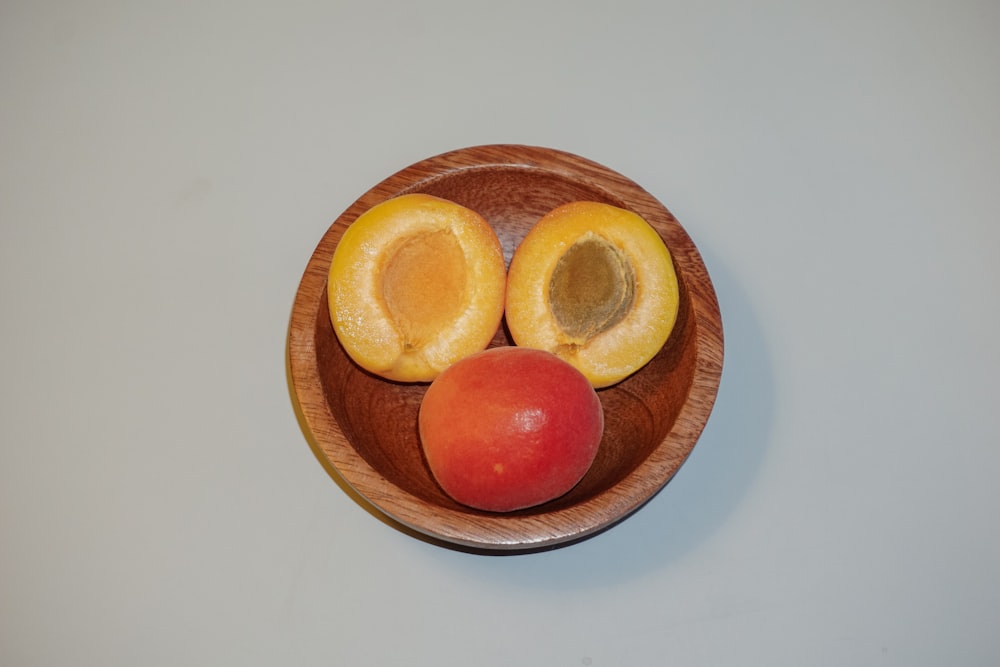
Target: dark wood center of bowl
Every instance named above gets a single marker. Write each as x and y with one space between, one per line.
379 418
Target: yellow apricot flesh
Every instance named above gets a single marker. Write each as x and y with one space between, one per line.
416 283
595 285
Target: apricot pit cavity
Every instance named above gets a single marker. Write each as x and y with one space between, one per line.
592 287
424 285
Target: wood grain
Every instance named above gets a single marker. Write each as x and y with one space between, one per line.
365 428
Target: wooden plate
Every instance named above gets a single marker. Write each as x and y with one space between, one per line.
365 428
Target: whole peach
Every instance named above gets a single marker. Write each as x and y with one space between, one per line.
510 428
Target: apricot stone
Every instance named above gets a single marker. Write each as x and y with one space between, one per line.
510 428
416 283
595 285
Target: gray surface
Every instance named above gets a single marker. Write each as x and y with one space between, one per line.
166 169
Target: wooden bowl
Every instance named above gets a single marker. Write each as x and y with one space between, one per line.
365 427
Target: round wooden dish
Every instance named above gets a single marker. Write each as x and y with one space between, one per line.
365 428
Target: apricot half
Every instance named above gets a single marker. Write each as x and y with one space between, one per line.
595 285
510 428
416 283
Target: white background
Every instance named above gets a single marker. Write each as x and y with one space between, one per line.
167 168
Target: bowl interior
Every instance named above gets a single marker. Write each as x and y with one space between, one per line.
367 426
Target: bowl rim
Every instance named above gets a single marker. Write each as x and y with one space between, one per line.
505 532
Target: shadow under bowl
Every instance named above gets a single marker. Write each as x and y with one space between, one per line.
365 427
